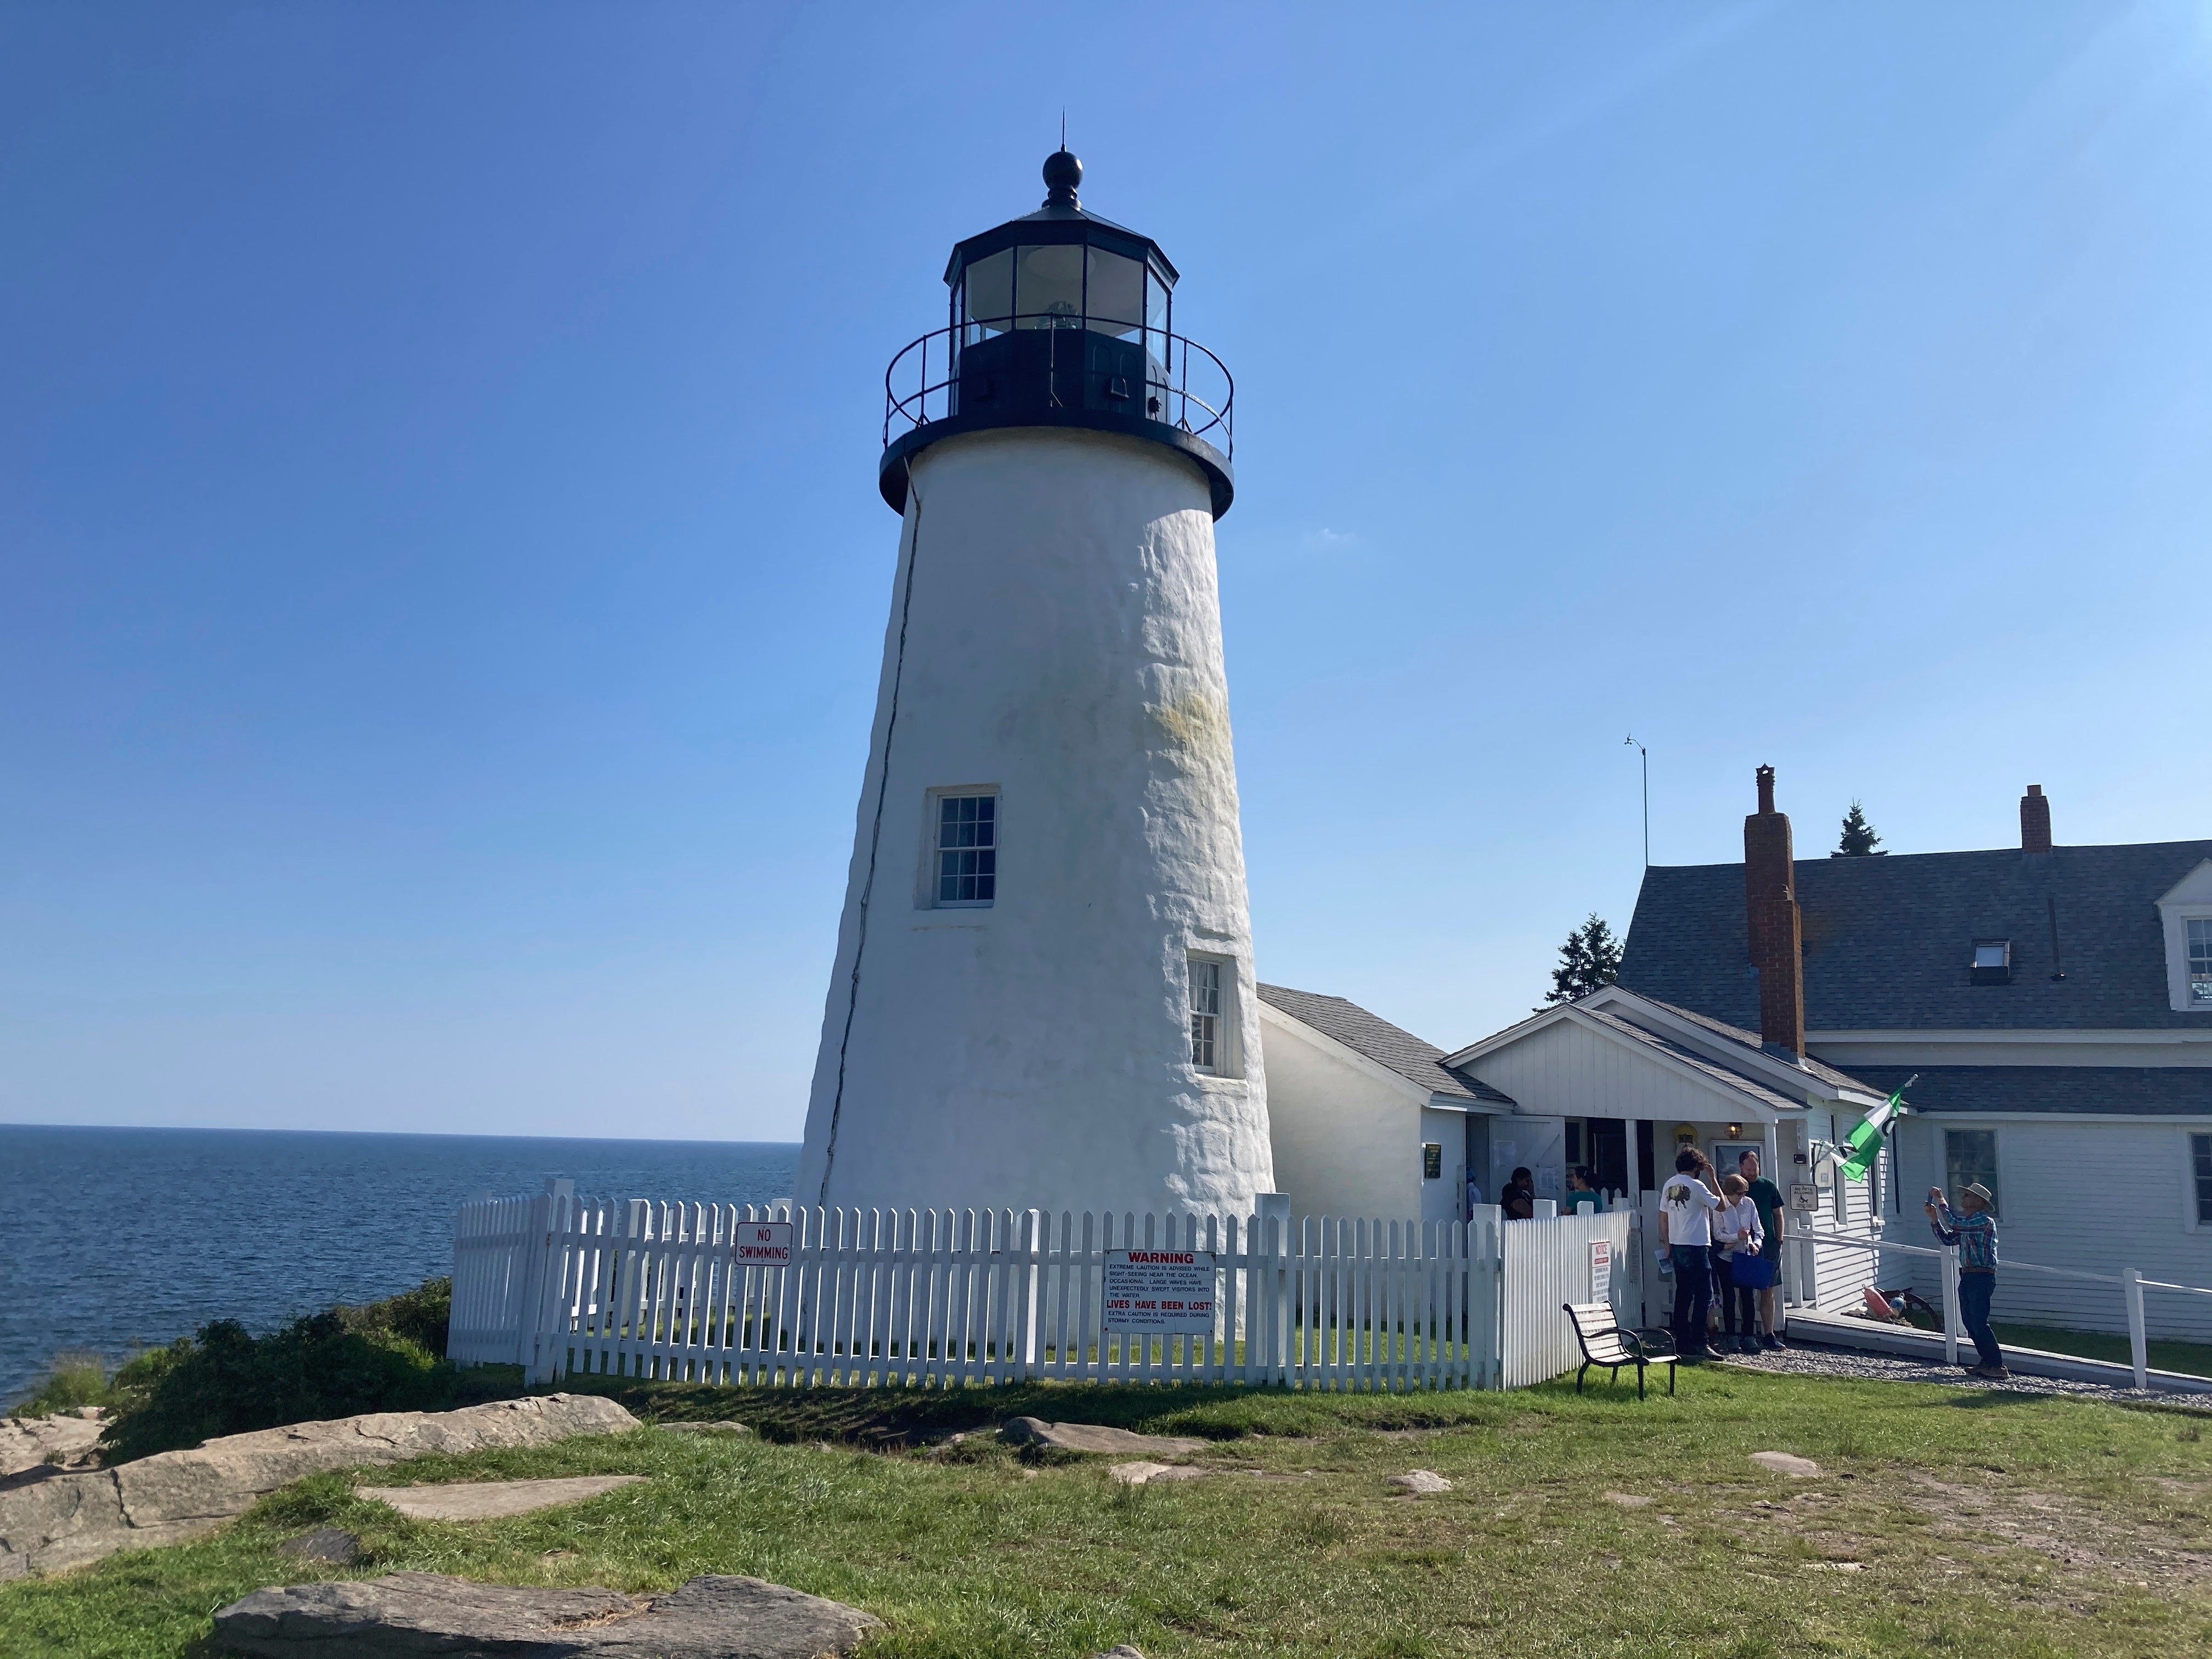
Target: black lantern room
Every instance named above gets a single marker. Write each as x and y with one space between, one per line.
1060 317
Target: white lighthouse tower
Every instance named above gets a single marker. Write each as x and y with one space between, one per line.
1043 991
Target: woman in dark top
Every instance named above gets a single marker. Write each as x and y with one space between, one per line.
1519 1198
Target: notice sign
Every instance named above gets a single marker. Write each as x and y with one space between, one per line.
765 1243
1170 1291
1601 1270
1804 1196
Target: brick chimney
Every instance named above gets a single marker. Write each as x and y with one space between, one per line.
2035 820
1770 894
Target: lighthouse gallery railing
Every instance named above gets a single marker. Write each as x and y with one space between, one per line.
922 384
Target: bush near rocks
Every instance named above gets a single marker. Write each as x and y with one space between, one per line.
380 1356
342 1362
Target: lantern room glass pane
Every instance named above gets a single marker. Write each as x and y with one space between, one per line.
1114 302
988 295
1048 286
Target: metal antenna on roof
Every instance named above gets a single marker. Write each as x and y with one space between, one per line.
1063 129
1631 743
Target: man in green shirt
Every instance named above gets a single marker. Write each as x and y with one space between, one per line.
1767 1197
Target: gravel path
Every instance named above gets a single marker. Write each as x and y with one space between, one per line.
1808 1360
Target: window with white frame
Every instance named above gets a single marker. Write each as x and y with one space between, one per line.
1971 1156
1211 984
965 870
2200 1167
2184 915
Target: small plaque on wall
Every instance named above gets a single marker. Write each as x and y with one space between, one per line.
1804 1196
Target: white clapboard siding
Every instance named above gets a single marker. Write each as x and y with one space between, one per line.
567 1286
1842 1275
2097 1197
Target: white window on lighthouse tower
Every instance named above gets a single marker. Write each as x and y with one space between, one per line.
967 872
1212 1032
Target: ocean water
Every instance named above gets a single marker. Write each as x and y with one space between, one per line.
116 1239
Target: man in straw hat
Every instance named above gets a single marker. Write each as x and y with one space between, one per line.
1974 1230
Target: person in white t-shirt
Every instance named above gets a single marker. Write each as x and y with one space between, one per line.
1686 1204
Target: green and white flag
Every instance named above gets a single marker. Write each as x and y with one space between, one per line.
1865 1141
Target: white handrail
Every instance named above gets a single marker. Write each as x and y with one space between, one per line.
1922 1249
2130 1284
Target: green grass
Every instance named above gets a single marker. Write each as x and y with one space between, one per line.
1979 1523
71 1379
2192 1357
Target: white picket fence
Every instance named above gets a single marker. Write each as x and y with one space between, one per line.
1547 1264
560 1285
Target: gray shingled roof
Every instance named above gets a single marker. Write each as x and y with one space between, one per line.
2121 1090
1888 939
1370 1035
1735 1034
1724 1074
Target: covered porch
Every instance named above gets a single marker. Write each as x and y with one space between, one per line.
1621 1084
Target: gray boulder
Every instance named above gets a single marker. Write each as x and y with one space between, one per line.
1096 1437
414 1614
73 1519
1421 1482
333 1546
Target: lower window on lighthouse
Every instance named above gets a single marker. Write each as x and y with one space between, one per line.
1210 1038
967 849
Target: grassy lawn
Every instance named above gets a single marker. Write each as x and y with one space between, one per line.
2193 1358
1946 1522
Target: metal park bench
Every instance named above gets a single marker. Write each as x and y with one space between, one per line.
1603 1342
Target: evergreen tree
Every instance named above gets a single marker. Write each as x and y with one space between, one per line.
1588 961
1859 839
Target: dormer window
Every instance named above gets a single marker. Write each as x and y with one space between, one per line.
1992 961
2184 917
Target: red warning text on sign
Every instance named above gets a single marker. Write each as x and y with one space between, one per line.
1170 1291
765 1243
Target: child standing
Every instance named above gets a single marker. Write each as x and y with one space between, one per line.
1737 1235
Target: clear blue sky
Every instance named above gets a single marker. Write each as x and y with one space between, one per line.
441 577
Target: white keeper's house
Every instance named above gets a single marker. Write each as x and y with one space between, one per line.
2055 1002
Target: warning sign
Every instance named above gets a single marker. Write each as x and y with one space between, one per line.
765 1243
1601 1270
1170 1291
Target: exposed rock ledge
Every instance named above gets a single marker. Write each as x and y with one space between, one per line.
38 1446
412 1613
70 1519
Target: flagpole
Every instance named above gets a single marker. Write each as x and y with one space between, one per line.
1631 743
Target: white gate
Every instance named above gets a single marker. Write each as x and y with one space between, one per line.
1548 1265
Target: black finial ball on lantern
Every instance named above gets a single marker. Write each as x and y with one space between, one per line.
1062 173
